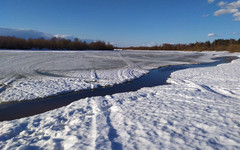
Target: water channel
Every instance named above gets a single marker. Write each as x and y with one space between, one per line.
156 77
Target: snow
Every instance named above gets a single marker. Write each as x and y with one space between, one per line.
199 109
27 75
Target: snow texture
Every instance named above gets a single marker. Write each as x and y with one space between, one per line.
198 110
27 75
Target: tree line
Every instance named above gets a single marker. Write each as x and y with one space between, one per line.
231 45
7 42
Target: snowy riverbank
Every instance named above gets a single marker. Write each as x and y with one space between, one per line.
27 75
198 110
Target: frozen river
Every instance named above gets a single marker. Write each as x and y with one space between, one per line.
197 109
157 77
29 75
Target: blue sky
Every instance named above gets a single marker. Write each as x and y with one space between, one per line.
126 22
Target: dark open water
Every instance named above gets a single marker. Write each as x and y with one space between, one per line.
16 110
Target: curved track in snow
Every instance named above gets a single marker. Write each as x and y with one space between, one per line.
198 110
28 75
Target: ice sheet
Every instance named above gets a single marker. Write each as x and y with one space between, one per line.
198 110
27 75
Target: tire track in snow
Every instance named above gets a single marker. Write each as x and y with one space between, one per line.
128 72
106 125
228 93
203 87
94 124
112 133
19 69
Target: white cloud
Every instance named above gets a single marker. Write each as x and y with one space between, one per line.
63 36
234 4
237 16
212 34
229 8
70 37
222 4
225 11
210 1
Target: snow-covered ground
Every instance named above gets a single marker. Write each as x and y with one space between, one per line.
27 75
198 110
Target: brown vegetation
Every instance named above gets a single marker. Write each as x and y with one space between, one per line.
6 42
54 44
231 45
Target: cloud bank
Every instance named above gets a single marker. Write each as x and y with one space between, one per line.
212 34
229 8
26 34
